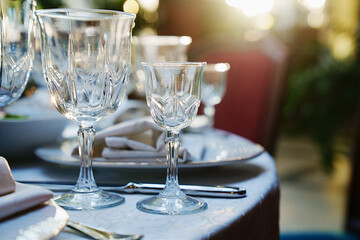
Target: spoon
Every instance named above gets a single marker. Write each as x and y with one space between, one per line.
101 234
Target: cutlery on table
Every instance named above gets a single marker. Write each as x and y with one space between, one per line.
101 234
131 187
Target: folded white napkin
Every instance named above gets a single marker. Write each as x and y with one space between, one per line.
17 197
139 140
7 183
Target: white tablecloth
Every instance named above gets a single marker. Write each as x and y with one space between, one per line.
253 217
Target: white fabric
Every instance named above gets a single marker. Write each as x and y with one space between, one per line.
25 196
138 140
16 197
7 183
257 175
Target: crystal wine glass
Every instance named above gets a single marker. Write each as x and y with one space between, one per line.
213 88
154 49
17 27
86 63
173 95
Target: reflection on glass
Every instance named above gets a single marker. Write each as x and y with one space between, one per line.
86 62
156 48
173 94
17 26
213 88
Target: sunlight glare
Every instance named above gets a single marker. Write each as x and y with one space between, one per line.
264 22
222 67
53 100
253 35
185 40
252 8
314 4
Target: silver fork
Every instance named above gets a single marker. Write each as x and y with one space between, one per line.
100 234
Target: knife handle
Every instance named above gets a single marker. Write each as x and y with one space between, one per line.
194 190
153 188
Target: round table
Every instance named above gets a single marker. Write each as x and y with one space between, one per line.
255 216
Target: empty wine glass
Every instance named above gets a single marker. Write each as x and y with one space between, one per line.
157 48
17 27
173 95
213 88
86 64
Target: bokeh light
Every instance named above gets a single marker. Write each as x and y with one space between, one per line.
151 17
149 5
253 7
222 67
343 46
313 4
264 22
131 6
253 35
147 31
185 40
316 19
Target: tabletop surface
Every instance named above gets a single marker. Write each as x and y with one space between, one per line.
257 175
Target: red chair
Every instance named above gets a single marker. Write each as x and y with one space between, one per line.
256 81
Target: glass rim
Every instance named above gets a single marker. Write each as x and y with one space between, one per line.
107 14
172 64
159 40
217 67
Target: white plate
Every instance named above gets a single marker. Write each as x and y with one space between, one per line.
19 137
39 223
219 148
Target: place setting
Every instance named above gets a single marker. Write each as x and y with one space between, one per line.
142 141
87 67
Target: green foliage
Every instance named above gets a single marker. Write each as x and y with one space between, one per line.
44 4
322 101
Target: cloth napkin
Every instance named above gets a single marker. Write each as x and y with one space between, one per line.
7 183
136 140
16 197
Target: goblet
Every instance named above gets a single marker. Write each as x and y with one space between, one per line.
173 94
17 27
86 65
213 89
156 48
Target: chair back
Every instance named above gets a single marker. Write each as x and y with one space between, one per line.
255 86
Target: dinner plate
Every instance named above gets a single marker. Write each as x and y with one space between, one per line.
212 149
42 223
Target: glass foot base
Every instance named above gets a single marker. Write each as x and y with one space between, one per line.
171 205
88 200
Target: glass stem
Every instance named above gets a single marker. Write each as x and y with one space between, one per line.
86 181
209 111
172 146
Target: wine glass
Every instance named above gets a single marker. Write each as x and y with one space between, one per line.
17 27
156 48
173 95
213 88
86 64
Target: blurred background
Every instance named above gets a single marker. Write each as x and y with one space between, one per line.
293 86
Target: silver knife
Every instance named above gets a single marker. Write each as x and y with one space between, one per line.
131 187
